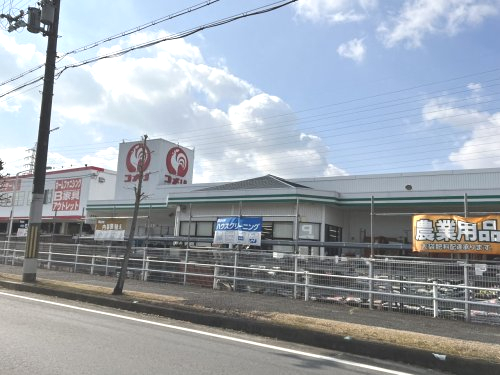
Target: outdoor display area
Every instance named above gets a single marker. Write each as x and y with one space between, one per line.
440 288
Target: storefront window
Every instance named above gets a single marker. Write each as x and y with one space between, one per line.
282 231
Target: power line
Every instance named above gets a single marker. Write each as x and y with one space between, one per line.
257 11
171 16
184 34
142 27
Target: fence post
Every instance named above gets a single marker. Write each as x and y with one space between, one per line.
466 290
92 264
295 277
107 261
6 246
216 274
49 258
435 299
145 274
370 283
306 286
185 266
144 265
235 271
76 256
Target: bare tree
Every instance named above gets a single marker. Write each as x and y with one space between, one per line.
130 241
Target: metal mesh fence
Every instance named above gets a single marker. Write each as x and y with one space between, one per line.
452 289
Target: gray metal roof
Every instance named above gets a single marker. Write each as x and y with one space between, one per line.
265 182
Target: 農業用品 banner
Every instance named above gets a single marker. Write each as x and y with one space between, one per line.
456 234
238 231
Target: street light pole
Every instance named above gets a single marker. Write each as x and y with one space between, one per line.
30 263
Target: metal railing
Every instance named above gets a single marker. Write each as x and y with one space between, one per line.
453 289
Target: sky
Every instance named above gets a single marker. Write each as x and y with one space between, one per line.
316 88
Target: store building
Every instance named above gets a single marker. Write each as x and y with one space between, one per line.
66 196
298 213
341 215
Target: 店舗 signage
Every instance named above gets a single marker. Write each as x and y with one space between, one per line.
111 229
67 194
163 163
456 234
238 231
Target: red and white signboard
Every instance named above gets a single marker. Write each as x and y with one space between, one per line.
67 194
10 185
165 163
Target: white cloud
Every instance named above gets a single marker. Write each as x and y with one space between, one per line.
479 133
236 130
334 11
474 87
481 149
419 18
443 111
106 158
14 160
353 49
15 57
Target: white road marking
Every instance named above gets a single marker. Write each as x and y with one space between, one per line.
222 337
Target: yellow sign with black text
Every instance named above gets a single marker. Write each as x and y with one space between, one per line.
456 234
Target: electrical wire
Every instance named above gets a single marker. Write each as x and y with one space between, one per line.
136 29
257 11
181 35
141 27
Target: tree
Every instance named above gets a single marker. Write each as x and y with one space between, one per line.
130 241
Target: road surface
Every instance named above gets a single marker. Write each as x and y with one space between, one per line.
43 335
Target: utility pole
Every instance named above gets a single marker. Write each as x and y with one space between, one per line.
130 241
49 16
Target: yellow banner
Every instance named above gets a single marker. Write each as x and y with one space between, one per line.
456 234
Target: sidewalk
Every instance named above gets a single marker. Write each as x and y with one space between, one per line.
468 348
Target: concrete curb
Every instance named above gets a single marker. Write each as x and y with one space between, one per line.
419 357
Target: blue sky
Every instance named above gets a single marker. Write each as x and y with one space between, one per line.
316 88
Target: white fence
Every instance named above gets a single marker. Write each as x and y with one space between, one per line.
440 288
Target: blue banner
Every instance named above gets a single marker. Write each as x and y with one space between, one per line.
236 230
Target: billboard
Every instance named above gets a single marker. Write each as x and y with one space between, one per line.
456 234
238 231
67 194
165 163
110 229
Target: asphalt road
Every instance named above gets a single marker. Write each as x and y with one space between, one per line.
50 336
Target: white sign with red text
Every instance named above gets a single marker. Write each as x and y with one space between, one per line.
163 163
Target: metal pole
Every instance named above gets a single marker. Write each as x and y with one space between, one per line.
189 226
370 264
466 271
297 227
30 262
372 209
435 299
235 270
295 276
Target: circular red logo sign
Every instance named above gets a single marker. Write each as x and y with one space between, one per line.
135 156
177 162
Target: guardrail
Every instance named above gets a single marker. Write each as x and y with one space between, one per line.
452 289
